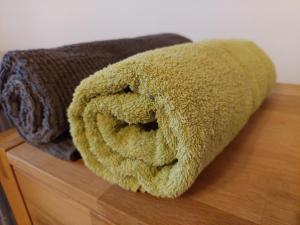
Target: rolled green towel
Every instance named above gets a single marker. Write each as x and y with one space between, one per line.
154 121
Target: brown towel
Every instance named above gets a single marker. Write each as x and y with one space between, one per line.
36 86
4 123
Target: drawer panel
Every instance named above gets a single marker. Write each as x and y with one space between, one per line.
47 206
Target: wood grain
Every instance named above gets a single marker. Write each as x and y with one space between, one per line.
47 206
8 140
70 178
145 209
98 219
256 180
287 89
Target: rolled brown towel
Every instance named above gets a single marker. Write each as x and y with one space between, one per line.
36 86
4 123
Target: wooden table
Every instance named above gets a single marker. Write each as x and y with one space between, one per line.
256 180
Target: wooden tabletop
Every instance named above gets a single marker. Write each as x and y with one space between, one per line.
256 180
9 139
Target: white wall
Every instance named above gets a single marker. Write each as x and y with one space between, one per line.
273 24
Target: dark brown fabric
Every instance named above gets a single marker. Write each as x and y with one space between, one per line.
4 122
36 86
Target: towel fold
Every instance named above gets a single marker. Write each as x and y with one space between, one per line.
152 122
36 86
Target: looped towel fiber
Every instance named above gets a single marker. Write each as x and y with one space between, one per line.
153 121
36 86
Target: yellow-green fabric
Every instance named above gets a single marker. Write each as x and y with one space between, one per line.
153 121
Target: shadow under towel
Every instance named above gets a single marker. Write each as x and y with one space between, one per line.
4 122
36 86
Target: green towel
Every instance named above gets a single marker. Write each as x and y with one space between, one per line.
154 121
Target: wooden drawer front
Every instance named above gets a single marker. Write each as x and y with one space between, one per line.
47 206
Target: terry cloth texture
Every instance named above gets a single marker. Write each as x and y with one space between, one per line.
4 123
152 122
36 86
